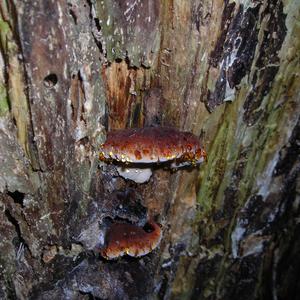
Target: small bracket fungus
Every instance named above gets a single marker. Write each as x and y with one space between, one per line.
124 238
135 150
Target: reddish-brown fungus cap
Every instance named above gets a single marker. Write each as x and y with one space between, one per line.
151 145
130 239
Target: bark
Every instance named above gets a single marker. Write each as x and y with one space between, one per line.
228 71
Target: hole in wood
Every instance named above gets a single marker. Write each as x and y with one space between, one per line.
50 80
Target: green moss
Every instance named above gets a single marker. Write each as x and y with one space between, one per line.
4 104
214 170
4 30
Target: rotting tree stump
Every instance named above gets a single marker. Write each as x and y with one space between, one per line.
228 71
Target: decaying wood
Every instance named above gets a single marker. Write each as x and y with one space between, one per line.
228 71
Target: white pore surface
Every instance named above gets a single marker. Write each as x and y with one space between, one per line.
135 174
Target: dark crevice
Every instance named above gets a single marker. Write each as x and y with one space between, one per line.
73 15
129 66
75 98
73 112
90 4
136 114
290 153
95 28
98 44
15 121
17 197
104 120
90 295
97 23
284 262
16 225
81 86
83 141
164 286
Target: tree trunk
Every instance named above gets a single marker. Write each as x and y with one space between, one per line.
228 71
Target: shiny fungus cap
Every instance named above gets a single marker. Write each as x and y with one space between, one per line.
128 239
139 148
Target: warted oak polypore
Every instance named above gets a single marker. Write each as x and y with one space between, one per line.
128 239
136 150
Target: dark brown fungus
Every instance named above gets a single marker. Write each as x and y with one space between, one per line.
128 239
137 149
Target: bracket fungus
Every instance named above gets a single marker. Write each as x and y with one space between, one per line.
136 150
135 241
